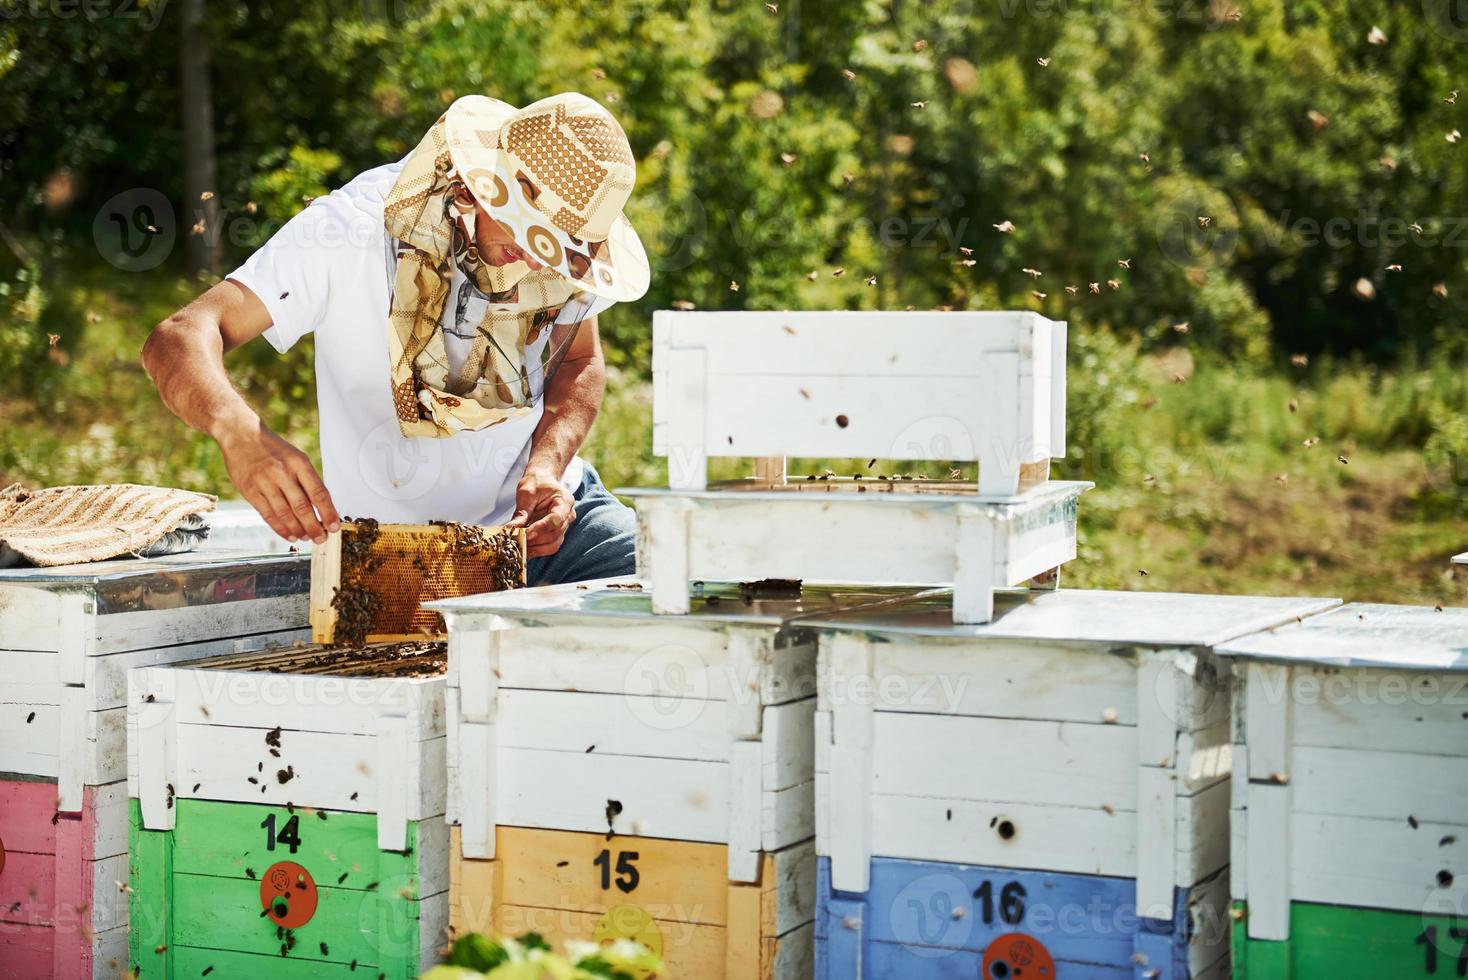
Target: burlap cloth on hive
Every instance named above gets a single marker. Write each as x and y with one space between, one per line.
67 525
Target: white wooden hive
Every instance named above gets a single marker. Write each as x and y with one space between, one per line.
1351 763
70 634
877 538
1079 732
985 386
564 698
362 744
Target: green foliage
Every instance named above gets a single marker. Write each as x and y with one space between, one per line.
23 342
760 162
531 958
280 192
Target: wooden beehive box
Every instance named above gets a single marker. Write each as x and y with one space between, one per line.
891 386
287 813
580 722
984 386
889 536
1073 753
369 580
1350 797
68 636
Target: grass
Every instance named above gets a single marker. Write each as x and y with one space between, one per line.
1206 485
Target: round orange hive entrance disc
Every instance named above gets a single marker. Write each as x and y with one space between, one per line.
288 894
1015 956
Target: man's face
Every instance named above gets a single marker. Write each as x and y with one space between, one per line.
497 246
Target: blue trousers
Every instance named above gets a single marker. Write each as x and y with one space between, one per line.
600 543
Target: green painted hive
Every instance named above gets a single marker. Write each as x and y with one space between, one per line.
286 816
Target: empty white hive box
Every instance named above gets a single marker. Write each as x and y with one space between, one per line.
962 386
1079 732
1351 788
895 386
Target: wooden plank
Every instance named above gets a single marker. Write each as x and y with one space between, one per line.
155 737
686 950
1381 710
150 875
1157 840
28 888
852 834
799 415
673 881
770 470
851 342
853 719
26 809
231 840
224 914
479 775
941 906
1392 865
294 702
1202 839
328 770
1267 710
396 780
326 572
190 961
689 400
1001 441
1331 941
745 806
787 816
671 798
1002 760
663 541
1068 839
669 658
1270 851
1403 786
1012 679
788 744
608 724
152 628
474 659
106 677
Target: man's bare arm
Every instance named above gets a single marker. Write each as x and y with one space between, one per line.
573 397
184 355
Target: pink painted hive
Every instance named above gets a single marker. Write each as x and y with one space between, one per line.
68 638
61 912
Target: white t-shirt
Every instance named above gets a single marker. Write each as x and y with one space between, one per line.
330 270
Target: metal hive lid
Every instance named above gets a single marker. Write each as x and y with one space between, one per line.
624 599
1365 635
1149 619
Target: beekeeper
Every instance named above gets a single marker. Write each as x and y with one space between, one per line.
454 299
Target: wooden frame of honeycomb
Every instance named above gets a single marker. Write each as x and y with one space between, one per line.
369 580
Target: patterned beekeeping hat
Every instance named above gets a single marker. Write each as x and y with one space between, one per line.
556 174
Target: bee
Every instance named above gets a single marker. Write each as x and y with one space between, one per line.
1043 62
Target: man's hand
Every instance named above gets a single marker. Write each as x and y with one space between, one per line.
545 509
279 481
